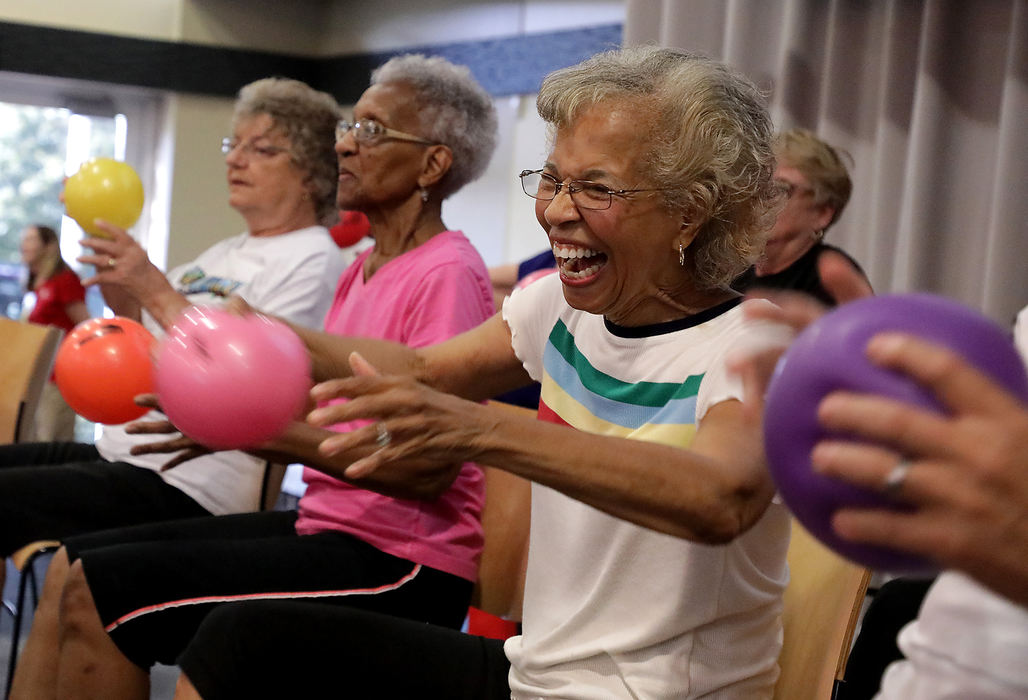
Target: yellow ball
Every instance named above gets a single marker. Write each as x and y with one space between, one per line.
106 189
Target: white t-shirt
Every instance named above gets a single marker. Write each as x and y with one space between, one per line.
612 609
292 275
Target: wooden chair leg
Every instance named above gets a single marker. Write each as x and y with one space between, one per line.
24 561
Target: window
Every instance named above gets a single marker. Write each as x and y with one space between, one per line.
48 127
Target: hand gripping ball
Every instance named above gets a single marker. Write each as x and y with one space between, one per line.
829 355
103 189
102 365
231 382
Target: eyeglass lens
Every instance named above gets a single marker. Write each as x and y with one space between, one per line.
365 130
250 148
585 194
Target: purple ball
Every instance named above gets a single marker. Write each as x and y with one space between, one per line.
829 355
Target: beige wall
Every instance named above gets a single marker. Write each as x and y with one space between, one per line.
269 25
150 19
193 168
200 216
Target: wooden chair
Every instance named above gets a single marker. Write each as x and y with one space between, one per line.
27 353
271 485
24 561
822 607
501 572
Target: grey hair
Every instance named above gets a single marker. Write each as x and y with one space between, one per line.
453 110
820 163
710 143
307 117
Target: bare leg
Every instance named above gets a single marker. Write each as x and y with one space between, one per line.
90 665
36 675
184 689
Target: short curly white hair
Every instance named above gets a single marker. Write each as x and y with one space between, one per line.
453 109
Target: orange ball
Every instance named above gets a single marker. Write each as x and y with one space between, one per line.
102 365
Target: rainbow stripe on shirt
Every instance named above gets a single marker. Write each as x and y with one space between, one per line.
577 394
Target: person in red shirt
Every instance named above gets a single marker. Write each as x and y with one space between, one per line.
60 302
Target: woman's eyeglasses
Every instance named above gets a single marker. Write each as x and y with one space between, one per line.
584 193
370 131
249 148
791 188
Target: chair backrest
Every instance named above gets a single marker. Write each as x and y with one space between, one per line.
27 354
822 606
501 572
271 485
505 517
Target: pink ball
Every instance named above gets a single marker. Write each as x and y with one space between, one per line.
231 382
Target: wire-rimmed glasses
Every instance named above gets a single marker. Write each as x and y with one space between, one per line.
586 194
789 189
249 148
370 131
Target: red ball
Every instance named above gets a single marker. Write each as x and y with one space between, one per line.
102 365
352 227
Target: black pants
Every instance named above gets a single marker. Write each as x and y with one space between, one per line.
52 490
895 604
154 584
306 650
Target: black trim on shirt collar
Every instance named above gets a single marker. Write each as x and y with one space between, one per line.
671 326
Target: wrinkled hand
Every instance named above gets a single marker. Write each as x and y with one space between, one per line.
420 423
968 478
772 327
186 448
130 262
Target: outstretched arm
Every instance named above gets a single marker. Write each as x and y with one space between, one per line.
711 492
477 364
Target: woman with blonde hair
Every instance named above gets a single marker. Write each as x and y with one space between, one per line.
815 185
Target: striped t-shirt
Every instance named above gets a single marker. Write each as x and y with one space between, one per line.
612 609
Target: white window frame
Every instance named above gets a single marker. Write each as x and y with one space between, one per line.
146 149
